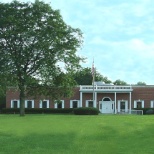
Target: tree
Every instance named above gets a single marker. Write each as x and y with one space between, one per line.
140 83
119 82
83 76
36 46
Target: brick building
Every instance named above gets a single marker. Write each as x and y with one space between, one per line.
107 98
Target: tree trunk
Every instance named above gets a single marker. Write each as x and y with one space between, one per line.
22 101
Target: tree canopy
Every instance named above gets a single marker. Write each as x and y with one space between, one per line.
83 76
36 46
119 82
140 83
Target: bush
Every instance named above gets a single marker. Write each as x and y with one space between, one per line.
86 111
146 110
150 111
38 111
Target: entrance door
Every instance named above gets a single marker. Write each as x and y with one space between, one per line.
107 106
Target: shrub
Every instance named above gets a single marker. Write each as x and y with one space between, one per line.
150 111
38 111
146 110
86 111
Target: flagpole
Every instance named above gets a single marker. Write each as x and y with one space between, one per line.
93 89
93 80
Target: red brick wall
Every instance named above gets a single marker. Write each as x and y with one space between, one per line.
139 93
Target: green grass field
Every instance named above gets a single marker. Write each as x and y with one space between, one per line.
70 134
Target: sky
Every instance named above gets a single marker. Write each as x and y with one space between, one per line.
118 35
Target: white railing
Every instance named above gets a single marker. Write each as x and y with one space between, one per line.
105 88
134 112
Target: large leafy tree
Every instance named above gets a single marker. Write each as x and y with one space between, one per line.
36 48
83 76
119 82
140 83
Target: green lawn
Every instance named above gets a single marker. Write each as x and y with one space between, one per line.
70 134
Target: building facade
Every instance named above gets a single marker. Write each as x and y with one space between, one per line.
107 98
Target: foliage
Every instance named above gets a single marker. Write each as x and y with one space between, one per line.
86 111
119 82
36 47
145 110
83 76
38 111
141 83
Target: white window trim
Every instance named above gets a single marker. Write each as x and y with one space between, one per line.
152 104
87 103
18 103
40 105
135 103
27 101
126 105
55 104
71 103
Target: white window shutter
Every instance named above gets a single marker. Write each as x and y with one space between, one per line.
11 103
87 103
151 104
25 103
55 105
32 103
47 103
62 103
135 104
40 104
18 104
71 102
126 106
119 106
142 104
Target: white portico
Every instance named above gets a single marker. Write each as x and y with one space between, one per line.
107 104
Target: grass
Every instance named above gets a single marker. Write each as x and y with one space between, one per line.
69 134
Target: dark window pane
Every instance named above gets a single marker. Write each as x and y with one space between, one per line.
44 104
75 104
106 99
139 104
122 105
90 103
15 104
59 105
29 104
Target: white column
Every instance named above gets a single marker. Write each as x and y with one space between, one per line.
80 99
115 103
95 101
130 102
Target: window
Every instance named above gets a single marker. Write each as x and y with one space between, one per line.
152 104
59 104
74 103
106 99
89 103
122 105
15 104
139 104
29 104
100 107
44 104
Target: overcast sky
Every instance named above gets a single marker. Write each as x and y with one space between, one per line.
118 34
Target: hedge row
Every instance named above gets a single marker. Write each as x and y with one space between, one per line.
77 111
86 111
37 111
146 111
